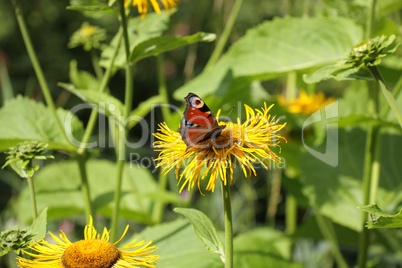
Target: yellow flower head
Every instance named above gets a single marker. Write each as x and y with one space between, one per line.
305 104
142 5
93 251
246 144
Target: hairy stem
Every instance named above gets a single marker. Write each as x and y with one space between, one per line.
328 232
225 34
122 130
35 63
33 197
228 224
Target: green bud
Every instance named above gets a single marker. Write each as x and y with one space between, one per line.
15 239
21 157
370 52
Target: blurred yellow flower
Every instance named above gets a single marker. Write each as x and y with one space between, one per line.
142 5
247 144
305 104
93 251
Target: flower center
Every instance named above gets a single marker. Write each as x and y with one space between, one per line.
90 253
224 140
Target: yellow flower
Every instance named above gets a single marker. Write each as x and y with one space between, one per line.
246 144
93 251
305 104
142 5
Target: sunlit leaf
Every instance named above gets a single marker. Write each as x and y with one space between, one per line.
381 219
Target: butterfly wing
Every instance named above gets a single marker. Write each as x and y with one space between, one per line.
198 123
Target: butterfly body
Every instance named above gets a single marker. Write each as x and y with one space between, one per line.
198 123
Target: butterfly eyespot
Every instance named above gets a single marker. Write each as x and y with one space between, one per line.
196 102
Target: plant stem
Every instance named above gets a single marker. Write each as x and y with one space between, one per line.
328 232
370 20
228 225
122 130
220 45
274 196
365 236
387 93
291 202
36 65
85 186
291 212
81 157
395 93
162 88
33 197
370 162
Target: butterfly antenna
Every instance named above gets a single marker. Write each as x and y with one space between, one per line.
230 111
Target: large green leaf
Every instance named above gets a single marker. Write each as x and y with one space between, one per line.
381 219
139 30
160 44
337 191
24 119
276 47
204 229
104 102
178 246
263 247
57 187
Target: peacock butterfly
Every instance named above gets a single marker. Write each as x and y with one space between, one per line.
198 123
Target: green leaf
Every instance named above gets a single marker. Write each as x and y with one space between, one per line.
82 79
361 119
381 219
58 185
178 246
24 119
91 7
337 72
39 225
139 30
160 44
337 191
204 229
104 102
263 247
276 47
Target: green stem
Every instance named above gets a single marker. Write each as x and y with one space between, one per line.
81 158
291 212
274 195
291 86
370 20
36 65
375 167
370 162
225 34
395 93
95 64
85 187
33 197
122 130
365 235
227 207
375 71
291 202
163 89
328 232
94 113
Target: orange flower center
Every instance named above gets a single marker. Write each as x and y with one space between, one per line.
90 253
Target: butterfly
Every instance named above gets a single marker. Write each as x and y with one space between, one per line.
198 123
